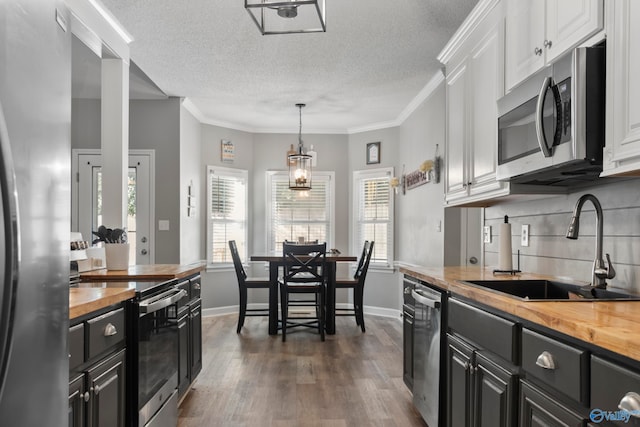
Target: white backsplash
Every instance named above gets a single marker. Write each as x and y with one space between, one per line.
550 252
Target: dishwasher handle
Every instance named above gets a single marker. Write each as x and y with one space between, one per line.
161 301
422 299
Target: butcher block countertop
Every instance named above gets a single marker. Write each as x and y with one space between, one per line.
612 325
86 300
111 287
144 272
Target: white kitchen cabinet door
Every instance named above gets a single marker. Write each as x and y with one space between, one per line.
456 176
524 49
622 150
486 86
538 32
569 22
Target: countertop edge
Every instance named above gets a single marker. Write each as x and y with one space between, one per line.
87 300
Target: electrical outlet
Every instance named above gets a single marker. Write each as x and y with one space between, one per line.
486 233
524 235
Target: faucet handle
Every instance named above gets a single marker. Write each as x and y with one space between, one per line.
611 272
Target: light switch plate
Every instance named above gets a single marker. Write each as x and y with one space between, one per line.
486 234
524 235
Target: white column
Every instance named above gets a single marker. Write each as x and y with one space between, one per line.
115 141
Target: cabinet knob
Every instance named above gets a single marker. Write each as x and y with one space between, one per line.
96 389
545 361
196 286
631 403
86 396
466 366
110 330
537 51
547 44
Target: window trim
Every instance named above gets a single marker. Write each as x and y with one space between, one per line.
229 172
284 176
358 176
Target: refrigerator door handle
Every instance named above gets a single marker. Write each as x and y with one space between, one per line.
10 238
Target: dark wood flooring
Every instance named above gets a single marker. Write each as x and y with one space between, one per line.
253 379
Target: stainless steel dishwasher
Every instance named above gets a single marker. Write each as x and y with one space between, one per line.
428 387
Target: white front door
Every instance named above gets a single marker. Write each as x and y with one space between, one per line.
87 200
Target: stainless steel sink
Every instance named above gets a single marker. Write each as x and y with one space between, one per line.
547 290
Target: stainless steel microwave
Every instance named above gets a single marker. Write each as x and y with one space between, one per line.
551 129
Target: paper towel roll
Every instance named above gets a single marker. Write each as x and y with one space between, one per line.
504 252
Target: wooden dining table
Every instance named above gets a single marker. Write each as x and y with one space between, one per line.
277 261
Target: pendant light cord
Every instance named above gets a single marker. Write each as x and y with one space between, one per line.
300 130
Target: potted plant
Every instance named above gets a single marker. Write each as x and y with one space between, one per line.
116 247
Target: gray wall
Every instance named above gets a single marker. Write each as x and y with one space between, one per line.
551 253
85 123
155 125
191 230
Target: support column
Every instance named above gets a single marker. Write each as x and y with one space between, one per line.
115 141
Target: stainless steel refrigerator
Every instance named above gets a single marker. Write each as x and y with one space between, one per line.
35 158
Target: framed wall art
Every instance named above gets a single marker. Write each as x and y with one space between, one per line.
373 153
226 151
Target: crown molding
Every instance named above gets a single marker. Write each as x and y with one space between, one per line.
479 12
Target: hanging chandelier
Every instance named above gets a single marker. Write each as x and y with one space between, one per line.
300 163
287 16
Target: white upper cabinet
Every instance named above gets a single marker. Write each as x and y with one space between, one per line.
539 31
474 82
622 150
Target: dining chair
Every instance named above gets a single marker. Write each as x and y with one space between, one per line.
357 284
304 273
245 283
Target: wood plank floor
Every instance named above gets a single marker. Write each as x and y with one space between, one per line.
253 379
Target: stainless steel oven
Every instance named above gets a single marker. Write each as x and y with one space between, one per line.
551 127
153 347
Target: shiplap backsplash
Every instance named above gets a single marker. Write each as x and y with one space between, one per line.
550 252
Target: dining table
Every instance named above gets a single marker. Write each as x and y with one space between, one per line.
277 261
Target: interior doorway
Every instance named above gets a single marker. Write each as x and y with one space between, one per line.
86 202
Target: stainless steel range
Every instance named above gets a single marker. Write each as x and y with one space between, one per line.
153 347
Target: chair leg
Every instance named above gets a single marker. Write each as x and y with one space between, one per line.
284 303
321 315
360 308
243 308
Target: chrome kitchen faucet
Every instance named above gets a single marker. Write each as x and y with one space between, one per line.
600 271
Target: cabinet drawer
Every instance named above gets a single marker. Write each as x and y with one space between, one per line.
561 366
76 346
488 331
539 409
105 331
610 384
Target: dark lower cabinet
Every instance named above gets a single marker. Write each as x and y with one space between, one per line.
407 345
537 409
481 393
97 396
190 336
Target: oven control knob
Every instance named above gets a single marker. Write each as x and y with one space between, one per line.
143 252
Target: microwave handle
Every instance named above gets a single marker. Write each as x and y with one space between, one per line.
542 142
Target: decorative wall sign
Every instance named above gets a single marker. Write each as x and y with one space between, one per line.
416 178
226 151
373 153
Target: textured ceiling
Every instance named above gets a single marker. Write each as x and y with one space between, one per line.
375 57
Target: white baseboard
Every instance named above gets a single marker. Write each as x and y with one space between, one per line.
369 310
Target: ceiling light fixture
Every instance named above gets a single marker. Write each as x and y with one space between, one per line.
300 163
287 17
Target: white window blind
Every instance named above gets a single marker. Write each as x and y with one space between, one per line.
373 207
227 202
292 214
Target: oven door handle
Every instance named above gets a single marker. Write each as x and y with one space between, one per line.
161 301
424 300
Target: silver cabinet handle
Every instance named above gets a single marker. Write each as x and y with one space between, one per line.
631 403
110 330
545 361
537 51
96 390
86 396
196 286
547 44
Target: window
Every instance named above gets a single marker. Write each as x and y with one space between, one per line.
373 214
227 213
292 214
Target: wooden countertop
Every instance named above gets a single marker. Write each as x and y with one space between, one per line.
611 325
86 300
110 287
144 272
